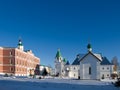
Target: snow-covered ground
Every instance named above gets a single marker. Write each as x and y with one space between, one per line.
7 83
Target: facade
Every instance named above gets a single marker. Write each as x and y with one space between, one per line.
16 61
74 71
88 66
60 64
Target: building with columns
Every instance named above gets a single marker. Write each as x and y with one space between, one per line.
91 66
16 61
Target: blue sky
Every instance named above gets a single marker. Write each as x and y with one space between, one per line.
46 25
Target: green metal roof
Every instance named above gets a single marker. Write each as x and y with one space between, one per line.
58 54
20 43
89 46
64 60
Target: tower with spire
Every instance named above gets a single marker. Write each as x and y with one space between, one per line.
20 45
60 63
58 56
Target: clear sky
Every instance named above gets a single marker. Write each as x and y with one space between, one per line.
46 25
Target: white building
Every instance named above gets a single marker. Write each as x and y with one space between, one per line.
60 64
86 66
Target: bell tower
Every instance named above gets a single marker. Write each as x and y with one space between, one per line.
58 63
20 45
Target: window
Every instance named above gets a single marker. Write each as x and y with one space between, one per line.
74 68
11 68
11 62
0 62
89 70
107 68
107 75
103 76
74 75
17 61
10 53
103 68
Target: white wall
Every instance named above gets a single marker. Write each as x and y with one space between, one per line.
106 71
89 61
58 68
74 71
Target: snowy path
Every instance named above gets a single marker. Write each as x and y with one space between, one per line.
53 84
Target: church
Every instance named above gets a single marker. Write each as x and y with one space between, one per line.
92 66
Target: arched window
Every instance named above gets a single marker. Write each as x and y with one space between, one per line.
10 53
89 70
74 68
74 75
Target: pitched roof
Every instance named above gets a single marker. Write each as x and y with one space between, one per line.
67 63
105 61
96 56
77 60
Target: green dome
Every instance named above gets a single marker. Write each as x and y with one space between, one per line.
58 54
20 43
89 46
64 60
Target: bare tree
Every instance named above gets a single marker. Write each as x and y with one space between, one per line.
114 61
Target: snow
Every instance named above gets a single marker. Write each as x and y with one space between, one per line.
8 83
98 56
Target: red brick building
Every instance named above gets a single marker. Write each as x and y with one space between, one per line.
16 61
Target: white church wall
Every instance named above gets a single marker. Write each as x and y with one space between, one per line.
57 68
98 70
106 71
74 71
89 62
